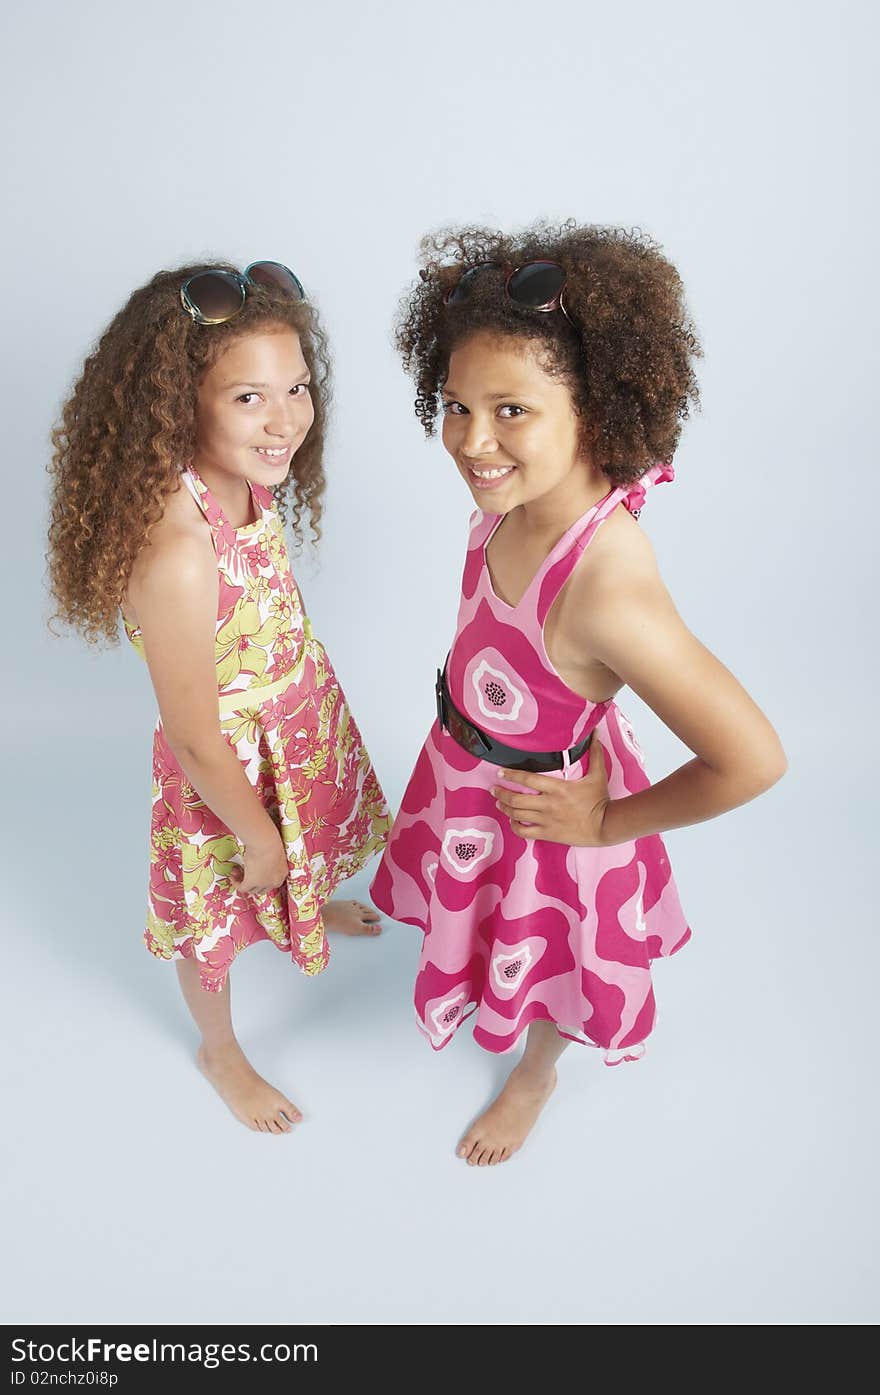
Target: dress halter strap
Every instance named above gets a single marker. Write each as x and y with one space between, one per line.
206 501
187 476
261 498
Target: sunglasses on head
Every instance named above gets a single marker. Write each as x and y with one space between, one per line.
213 297
536 285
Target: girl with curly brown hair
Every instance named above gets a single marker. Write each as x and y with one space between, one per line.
197 419
528 846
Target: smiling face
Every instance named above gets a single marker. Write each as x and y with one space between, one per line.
254 409
511 427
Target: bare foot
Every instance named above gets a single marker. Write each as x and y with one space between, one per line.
506 1124
351 918
251 1098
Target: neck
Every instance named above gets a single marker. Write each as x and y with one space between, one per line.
232 492
557 510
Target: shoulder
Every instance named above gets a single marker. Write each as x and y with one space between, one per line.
618 585
620 555
180 551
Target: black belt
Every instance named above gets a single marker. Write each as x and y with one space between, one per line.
485 747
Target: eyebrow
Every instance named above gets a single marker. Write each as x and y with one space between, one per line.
491 397
307 378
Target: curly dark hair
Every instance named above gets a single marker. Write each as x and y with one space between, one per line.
626 354
130 424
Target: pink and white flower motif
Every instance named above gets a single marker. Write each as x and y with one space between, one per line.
497 697
511 965
465 849
431 871
445 1016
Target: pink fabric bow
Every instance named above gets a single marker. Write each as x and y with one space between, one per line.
656 474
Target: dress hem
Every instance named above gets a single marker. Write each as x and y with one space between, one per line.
614 1055
310 968
216 984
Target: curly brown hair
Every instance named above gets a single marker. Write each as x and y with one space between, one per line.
129 426
626 353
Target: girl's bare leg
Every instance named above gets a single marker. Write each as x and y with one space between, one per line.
505 1125
220 1058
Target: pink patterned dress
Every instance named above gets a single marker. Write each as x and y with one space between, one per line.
281 709
521 930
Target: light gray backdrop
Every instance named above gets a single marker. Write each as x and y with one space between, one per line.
729 1177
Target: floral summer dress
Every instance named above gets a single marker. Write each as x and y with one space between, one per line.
520 930
283 712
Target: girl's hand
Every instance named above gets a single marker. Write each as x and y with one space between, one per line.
560 811
265 867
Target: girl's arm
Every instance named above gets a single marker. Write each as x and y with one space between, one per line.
638 633
173 591
630 625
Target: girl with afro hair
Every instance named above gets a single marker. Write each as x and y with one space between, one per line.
528 845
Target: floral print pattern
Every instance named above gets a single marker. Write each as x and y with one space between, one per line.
282 711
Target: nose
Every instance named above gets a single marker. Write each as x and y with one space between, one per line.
284 418
478 438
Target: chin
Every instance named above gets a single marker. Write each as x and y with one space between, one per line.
490 501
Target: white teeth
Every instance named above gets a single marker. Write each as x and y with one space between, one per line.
266 450
492 474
